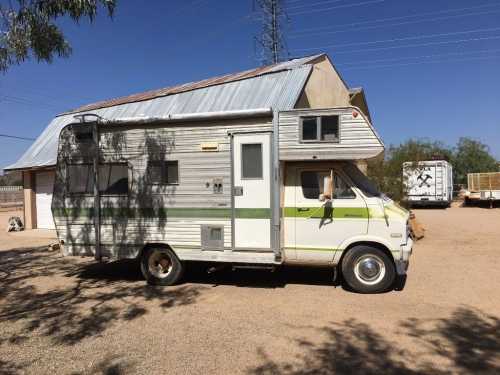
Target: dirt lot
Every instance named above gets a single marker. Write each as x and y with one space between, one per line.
70 315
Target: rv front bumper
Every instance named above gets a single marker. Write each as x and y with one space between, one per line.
403 261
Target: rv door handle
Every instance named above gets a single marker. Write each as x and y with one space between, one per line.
301 209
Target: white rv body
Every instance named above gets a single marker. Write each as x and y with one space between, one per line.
242 190
428 182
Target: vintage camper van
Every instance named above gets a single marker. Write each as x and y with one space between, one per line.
257 188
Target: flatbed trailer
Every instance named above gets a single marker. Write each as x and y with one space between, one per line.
483 187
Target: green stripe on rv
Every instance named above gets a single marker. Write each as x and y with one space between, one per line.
322 212
222 213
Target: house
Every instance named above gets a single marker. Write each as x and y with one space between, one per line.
308 82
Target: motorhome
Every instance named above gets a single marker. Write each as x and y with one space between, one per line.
259 188
428 183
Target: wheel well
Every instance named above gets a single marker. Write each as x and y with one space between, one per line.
151 245
376 245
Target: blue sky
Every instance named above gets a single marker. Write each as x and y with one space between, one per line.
430 68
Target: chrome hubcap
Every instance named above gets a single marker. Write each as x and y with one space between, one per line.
160 264
369 269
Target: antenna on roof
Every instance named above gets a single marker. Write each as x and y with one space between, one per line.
273 47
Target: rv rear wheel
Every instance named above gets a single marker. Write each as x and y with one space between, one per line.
368 270
160 266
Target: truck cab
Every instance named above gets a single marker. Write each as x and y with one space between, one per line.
334 215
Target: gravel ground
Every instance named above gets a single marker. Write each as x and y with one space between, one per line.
72 316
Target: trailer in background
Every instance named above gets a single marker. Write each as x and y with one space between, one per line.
428 183
483 187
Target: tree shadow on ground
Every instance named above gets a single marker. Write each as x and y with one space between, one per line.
110 365
69 301
466 342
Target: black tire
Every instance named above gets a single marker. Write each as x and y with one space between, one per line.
160 266
368 270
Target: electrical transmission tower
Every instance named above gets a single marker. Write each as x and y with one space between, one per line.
271 41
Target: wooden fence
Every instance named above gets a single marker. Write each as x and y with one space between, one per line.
11 197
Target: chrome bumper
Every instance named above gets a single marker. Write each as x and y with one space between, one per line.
403 261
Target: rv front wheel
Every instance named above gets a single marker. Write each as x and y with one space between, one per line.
160 266
368 270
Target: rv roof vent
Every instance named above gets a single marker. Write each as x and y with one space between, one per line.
210 147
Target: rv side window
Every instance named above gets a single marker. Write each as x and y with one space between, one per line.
319 129
251 160
312 185
80 178
113 178
163 172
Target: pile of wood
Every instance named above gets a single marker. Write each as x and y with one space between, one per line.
416 228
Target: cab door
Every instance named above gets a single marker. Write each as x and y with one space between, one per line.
322 226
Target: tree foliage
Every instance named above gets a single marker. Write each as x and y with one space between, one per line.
472 156
468 156
28 28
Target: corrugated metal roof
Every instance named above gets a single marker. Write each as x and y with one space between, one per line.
292 64
277 86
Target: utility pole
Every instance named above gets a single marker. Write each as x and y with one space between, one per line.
271 41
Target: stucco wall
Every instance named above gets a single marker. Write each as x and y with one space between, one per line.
324 88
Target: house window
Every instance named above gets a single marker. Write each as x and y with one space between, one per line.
163 172
80 178
113 178
320 129
251 160
313 183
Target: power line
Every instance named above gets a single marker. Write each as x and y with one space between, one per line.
336 7
393 24
418 57
416 45
314 4
422 62
27 101
400 39
16 137
396 18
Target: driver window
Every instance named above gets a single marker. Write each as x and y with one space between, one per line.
312 185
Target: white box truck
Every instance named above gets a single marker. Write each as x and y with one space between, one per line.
428 183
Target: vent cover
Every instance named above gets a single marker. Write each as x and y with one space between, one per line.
212 237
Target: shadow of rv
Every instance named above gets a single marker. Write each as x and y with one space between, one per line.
249 278
466 342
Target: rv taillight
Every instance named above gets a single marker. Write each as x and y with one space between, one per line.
354 114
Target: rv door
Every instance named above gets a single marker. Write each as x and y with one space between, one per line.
252 190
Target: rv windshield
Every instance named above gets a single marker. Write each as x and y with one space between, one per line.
361 181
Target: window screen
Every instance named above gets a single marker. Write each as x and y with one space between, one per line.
330 128
251 160
309 129
163 172
80 178
320 129
113 178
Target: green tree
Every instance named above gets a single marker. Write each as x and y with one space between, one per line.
28 28
471 156
386 171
